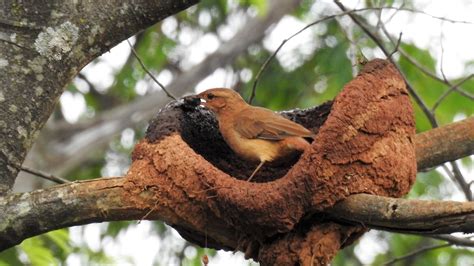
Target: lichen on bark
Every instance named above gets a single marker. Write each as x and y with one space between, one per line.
43 45
54 43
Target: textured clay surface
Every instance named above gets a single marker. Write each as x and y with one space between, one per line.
363 145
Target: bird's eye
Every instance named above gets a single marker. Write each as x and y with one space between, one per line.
210 96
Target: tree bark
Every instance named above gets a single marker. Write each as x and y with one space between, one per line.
43 45
406 216
445 144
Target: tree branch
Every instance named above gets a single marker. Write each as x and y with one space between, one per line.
406 216
57 47
445 144
416 253
457 241
106 199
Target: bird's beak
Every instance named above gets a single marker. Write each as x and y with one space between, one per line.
202 101
192 100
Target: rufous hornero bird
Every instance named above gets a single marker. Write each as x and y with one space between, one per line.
254 133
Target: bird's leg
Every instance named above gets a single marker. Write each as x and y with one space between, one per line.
256 170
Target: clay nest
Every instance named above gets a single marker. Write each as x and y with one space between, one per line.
363 145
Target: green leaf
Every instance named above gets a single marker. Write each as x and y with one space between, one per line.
36 251
10 257
61 239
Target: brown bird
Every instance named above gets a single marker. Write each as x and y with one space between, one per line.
254 133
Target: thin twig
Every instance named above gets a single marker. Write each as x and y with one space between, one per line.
456 176
457 241
416 253
397 46
346 12
401 7
267 61
442 57
466 188
262 68
435 77
149 73
87 81
381 46
454 87
465 93
41 174
355 50
448 172
149 212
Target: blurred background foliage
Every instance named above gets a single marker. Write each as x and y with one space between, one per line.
308 75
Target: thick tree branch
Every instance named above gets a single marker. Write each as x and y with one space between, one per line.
406 216
105 199
445 144
57 40
29 214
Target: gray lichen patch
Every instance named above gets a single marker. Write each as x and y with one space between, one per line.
38 91
13 108
3 63
53 43
95 30
37 64
2 97
22 133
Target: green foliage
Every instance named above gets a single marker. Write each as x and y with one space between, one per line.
48 249
89 170
260 5
427 186
431 89
346 257
218 11
279 88
153 51
10 257
114 228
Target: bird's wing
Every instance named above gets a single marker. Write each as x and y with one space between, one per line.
264 124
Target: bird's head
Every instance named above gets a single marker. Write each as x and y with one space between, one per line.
220 99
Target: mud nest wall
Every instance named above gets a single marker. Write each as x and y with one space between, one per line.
363 145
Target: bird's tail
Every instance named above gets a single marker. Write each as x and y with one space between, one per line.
297 143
